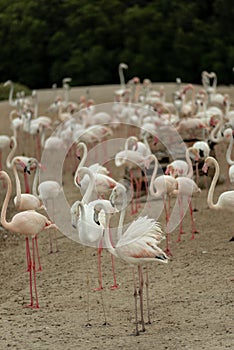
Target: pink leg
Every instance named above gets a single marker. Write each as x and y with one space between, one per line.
29 269
38 256
34 274
194 230
99 268
135 298
167 213
180 199
115 285
132 187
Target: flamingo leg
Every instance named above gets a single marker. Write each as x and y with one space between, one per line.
147 295
180 199
29 263
38 255
141 284
194 230
34 273
167 213
132 188
135 298
99 268
88 324
115 285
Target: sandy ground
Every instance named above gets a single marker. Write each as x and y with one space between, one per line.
191 297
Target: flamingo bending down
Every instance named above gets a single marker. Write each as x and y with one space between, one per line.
28 223
137 246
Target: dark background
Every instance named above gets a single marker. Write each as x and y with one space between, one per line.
44 41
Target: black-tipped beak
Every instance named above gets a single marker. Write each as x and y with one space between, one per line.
78 157
73 225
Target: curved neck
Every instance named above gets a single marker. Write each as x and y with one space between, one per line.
130 140
229 151
84 156
213 136
154 192
107 240
17 184
212 186
35 182
4 223
89 190
11 154
11 101
190 164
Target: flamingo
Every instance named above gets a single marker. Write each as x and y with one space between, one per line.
137 246
103 183
186 187
180 167
5 141
23 160
24 201
86 200
46 192
89 233
95 168
230 135
28 223
226 199
133 160
164 185
203 152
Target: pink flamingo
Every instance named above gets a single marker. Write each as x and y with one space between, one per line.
136 246
165 186
5 141
23 160
186 188
226 199
180 167
86 200
28 223
133 160
24 201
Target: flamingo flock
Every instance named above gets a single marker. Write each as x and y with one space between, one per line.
163 149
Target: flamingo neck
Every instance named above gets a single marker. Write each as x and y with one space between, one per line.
84 156
89 190
11 154
107 239
212 187
153 177
190 165
4 223
229 151
18 186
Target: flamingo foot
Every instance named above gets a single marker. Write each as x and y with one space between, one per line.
98 289
168 252
182 233
106 324
31 306
39 269
178 240
115 286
